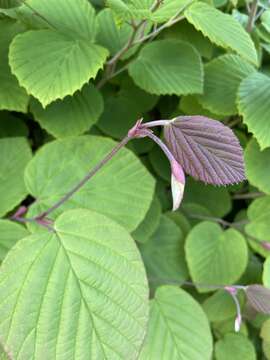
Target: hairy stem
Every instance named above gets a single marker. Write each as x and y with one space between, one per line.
252 15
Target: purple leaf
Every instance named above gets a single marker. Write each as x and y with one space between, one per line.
259 298
206 149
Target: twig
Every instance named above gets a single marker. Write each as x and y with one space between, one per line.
252 15
42 217
91 173
216 219
234 122
259 14
173 20
128 45
111 64
153 34
193 284
236 225
251 195
136 27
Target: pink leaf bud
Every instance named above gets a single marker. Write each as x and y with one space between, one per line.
177 183
237 323
265 245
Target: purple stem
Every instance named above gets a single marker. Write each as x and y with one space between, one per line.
91 173
161 144
41 218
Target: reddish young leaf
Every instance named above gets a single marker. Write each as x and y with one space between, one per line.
259 298
206 149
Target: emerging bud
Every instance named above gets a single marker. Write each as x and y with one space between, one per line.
177 183
138 131
237 323
231 289
178 176
265 245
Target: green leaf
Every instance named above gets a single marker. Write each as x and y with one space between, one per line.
186 32
214 256
163 254
216 199
253 96
24 15
177 329
220 306
131 9
149 224
266 273
223 328
180 220
71 116
235 347
195 212
221 28
115 190
10 234
262 33
15 155
110 35
160 163
168 67
89 292
6 4
123 108
49 68
258 227
169 9
190 106
222 79
265 20
11 126
257 166
74 18
264 334
12 96
253 273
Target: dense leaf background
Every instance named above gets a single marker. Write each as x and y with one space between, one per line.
114 273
